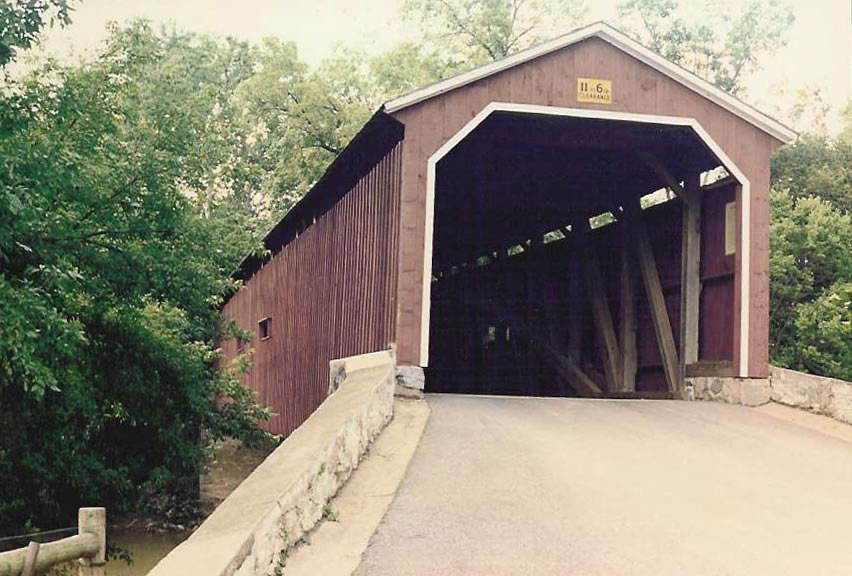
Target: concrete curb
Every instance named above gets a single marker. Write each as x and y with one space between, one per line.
817 394
251 532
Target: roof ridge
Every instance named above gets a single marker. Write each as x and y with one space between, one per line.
619 40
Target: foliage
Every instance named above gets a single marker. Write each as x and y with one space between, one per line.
816 166
810 242
115 248
811 255
410 65
846 134
22 20
716 45
824 334
132 184
478 31
294 121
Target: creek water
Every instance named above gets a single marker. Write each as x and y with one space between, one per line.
145 549
232 463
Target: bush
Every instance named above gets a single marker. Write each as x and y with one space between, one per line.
114 255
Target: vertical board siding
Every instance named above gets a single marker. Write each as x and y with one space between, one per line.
330 293
716 318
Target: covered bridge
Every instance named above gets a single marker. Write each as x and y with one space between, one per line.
582 218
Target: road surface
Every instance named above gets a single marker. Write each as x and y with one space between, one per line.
525 486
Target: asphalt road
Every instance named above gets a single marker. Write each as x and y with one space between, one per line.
526 486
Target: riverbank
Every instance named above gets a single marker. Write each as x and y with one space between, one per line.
232 462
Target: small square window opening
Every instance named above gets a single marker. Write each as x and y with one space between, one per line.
263 329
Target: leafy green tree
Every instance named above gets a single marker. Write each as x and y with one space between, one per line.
482 30
846 132
295 120
21 21
810 252
410 65
816 166
811 256
720 47
824 334
116 245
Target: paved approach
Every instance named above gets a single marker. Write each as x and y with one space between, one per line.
588 487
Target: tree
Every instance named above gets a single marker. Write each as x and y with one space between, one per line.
810 262
21 21
410 65
816 166
294 121
483 30
116 246
720 48
810 253
846 132
824 334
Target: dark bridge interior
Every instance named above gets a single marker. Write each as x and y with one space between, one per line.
544 257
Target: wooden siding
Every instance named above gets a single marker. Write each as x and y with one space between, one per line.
716 318
329 293
551 81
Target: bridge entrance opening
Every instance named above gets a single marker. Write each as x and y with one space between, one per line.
580 256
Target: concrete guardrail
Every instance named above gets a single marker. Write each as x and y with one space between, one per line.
284 498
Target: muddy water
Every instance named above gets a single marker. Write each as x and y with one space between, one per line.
146 550
231 464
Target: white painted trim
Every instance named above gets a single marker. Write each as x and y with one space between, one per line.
622 42
692 123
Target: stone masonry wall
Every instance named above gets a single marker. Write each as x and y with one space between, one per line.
746 391
826 396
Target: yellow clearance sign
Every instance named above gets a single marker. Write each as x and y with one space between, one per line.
594 90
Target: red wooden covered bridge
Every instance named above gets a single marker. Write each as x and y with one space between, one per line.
581 218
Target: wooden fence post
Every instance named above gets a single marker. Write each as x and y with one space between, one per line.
93 521
30 559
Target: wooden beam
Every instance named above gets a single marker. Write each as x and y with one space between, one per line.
660 170
647 395
575 308
720 368
690 279
657 302
579 380
534 321
627 313
602 316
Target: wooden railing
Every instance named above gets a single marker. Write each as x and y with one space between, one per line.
89 546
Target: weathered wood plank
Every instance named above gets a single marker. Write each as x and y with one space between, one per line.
660 170
50 554
721 368
627 314
657 302
690 282
610 353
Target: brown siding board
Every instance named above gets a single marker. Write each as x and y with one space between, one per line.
330 293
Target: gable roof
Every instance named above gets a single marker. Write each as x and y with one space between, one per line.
624 43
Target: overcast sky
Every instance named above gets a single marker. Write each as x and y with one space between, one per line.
818 55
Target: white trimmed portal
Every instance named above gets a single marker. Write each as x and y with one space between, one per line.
743 272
